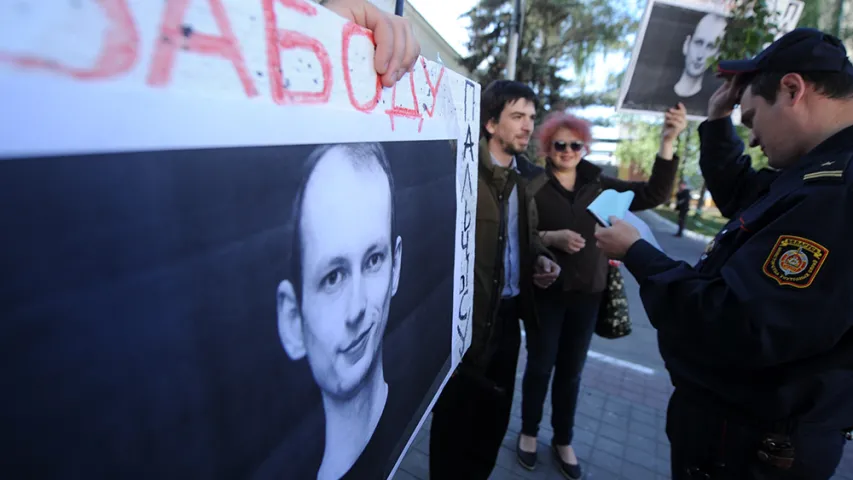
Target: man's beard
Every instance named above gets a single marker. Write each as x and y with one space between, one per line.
509 148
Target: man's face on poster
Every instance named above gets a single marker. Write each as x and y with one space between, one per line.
350 271
703 44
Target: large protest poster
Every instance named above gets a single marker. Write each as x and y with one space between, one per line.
227 252
674 47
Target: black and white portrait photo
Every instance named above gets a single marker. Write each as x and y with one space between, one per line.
334 311
672 63
270 312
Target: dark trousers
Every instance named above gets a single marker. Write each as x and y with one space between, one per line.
566 324
471 416
711 444
682 219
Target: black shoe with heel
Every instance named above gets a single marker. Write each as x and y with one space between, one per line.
525 459
572 472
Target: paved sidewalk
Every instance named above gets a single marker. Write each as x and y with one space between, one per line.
619 432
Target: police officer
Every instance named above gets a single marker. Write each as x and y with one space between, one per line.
757 336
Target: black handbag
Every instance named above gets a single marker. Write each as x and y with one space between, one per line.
613 319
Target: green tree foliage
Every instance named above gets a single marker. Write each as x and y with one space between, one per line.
824 15
752 25
556 35
640 142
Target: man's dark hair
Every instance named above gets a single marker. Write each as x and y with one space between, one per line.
361 155
836 85
495 98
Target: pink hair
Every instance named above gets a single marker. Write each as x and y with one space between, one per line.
559 120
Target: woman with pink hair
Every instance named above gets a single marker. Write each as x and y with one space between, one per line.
568 310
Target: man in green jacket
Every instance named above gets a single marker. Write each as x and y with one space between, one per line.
471 416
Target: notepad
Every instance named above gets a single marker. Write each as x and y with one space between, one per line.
610 203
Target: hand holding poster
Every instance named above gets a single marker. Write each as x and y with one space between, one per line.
228 251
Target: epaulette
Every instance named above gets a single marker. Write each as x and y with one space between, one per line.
832 170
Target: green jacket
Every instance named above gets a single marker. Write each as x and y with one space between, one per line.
494 185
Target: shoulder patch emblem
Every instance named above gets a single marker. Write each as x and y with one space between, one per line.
795 261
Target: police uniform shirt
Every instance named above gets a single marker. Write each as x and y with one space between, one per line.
759 323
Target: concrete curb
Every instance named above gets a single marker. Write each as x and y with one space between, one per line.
674 227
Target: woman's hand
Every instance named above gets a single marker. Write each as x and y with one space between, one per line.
675 121
566 240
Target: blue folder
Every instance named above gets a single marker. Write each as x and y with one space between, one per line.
610 203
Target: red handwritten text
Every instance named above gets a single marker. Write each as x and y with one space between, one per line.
288 39
119 53
398 111
173 36
350 30
119 48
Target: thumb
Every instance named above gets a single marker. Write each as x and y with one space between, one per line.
614 220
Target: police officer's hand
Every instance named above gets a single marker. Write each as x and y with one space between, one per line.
674 122
617 239
723 101
545 272
566 240
397 49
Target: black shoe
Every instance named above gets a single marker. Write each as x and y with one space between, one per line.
572 472
525 459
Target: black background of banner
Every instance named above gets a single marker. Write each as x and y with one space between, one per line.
138 331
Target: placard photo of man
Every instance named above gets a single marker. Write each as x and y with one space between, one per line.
333 310
673 61
699 47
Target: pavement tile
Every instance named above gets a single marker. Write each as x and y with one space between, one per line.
645 417
583 451
586 422
643 458
401 474
663 467
618 421
642 429
416 463
583 436
641 442
606 461
663 451
613 433
636 472
610 446
617 406
508 461
500 473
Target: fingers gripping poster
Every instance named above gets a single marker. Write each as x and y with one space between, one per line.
227 251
